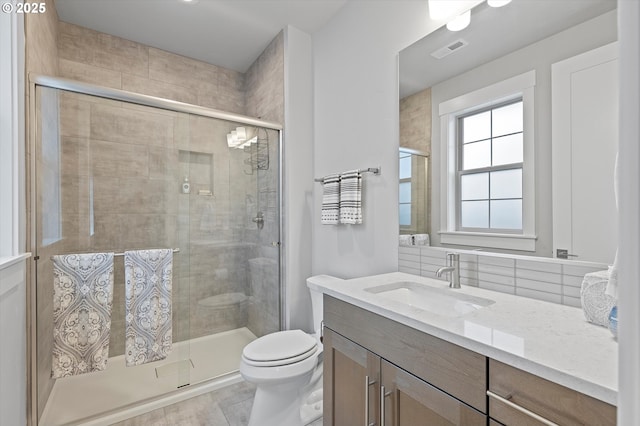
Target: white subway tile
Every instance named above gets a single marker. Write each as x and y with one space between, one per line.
539 286
539 276
539 295
409 264
496 287
570 280
410 257
409 250
495 278
408 270
571 291
498 261
571 301
541 265
498 270
579 271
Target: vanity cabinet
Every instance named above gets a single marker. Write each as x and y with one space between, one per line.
379 372
520 398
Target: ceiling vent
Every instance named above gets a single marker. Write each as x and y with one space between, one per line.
450 48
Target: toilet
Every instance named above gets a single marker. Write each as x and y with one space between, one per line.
286 368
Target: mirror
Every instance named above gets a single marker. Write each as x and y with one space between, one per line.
524 40
413 196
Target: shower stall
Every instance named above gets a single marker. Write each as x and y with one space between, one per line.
113 171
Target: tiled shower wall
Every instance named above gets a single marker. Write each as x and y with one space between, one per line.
552 280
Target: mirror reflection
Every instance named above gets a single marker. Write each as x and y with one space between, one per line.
517 117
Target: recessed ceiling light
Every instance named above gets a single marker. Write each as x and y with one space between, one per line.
460 22
190 1
498 3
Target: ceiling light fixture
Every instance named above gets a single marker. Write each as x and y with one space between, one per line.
460 22
498 3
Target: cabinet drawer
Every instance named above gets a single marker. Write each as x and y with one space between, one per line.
455 370
543 398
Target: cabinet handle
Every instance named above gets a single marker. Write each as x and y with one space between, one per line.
383 395
367 384
521 409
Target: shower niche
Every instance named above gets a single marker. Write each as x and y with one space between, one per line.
196 175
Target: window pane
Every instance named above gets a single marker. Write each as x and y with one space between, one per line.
405 192
506 214
405 167
507 149
405 214
476 155
474 186
476 127
506 184
474 214
507 119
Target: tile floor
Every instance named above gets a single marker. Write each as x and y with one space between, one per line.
229 406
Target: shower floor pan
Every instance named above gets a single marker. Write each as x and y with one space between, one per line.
119 393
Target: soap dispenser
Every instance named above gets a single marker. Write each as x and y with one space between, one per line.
186 186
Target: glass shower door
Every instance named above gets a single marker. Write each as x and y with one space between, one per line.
107 180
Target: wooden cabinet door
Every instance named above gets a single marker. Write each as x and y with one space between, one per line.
351 383
409 401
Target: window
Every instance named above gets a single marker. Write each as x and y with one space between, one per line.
487 160
490 169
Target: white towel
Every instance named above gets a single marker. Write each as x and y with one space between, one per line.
330 200
351 197
82 301
148 276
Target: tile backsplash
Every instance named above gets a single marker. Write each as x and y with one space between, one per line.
552 280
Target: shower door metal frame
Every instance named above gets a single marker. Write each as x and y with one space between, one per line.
138 99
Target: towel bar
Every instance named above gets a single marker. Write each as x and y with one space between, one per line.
374 170
175 250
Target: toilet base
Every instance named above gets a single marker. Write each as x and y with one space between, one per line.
296 403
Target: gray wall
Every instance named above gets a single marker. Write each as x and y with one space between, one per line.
539 57
356 125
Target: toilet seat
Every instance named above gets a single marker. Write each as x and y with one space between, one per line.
281 348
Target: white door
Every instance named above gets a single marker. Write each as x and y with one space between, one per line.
584 146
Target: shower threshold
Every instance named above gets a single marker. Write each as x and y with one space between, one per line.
119 393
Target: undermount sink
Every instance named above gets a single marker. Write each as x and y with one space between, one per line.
439 301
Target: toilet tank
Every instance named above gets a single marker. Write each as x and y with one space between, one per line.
315 291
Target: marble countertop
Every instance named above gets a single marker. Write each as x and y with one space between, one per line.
549 340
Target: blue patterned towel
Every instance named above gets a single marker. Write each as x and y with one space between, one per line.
82 300
148 305
351 197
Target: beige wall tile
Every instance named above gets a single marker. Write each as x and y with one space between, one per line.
91 47
159 89
131 126
264 83
415 121
119 159
75 156
180 70
90 74
41 34
74 117
134 196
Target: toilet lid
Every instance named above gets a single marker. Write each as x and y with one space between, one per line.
281 346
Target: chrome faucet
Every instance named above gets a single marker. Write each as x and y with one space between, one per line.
453 269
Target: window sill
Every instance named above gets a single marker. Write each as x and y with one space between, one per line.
498 241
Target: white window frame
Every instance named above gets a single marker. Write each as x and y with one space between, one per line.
520 86
11 134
